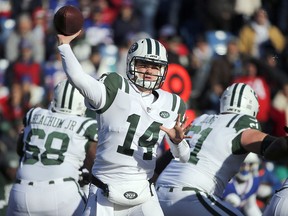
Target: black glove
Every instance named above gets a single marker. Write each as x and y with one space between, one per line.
84 177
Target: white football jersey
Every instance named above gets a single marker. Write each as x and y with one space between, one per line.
216 153
129 130
54 144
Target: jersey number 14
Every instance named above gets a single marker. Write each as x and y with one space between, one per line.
147 140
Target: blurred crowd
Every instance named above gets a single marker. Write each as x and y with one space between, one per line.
217 42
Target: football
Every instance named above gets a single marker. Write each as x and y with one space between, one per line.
68 20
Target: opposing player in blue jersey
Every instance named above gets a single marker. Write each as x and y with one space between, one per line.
241 191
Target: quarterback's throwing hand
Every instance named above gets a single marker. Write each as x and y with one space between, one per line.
63 39
177 133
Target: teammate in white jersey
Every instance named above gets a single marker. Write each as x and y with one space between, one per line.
219 145
54 145
134 114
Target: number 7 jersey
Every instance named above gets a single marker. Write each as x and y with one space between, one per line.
215 153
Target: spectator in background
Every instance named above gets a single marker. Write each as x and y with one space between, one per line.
40 24
25 67
5 9
270 67
6 23
24 6
280 110
4 91
147 10
220 14
108 11
244 10
210 102
24 78
126 23
96 26
85 8
227 67
24 31
177 51
193 19
201 57
14 107
262 89
222 71
260 35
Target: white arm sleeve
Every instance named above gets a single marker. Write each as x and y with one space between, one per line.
93 90
181 151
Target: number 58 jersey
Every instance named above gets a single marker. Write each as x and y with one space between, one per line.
215 153
54 144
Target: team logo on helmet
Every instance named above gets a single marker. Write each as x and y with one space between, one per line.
164 114
149 51
130 195
133 48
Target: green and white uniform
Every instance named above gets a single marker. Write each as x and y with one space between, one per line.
129 131
216 156
53 152
128 121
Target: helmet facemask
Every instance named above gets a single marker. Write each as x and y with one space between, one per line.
150 53
138 77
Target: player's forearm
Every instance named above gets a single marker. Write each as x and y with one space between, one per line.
181 150
81 80
72 67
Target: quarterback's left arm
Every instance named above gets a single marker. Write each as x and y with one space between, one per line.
180 150
176 140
